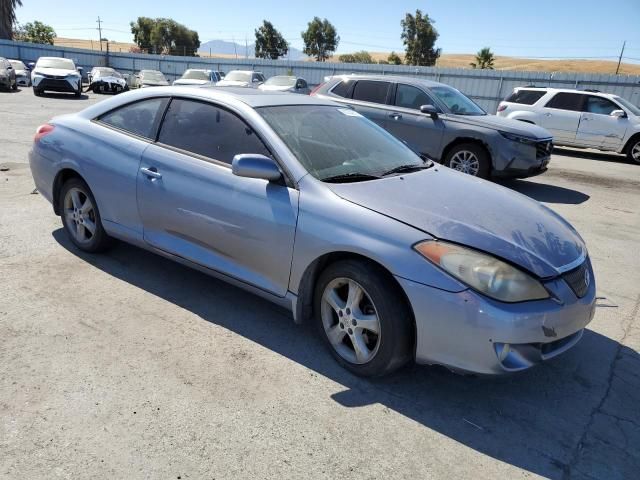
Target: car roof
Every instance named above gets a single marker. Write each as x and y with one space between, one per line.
54 58
246 71
390 78
567 90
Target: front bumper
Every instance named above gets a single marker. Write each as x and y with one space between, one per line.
468 332
520 160
23 80
108 87
57 84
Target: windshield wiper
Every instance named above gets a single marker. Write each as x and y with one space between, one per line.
349 177
411 167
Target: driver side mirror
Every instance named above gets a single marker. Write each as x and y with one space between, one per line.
430 110
619 114
253 165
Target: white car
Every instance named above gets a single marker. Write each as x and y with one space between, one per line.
195 76
579 118
22 73
105 79
56 74
242 78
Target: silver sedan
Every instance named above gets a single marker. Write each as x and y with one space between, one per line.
312 206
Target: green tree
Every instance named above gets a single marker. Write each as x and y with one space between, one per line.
8 17
358 57
394 59
164 36
484 59
269 42
419 37
320 39
36 32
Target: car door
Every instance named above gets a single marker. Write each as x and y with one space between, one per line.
597 127
193 206
418 130
370 99
561 116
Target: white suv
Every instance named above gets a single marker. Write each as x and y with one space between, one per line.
578 118
56 74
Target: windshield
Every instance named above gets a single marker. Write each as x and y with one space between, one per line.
628 105
152 76
195 75
456 102
107 72
61 63
17 65
334 141
238 76
281 81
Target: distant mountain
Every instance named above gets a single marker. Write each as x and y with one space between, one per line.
222 47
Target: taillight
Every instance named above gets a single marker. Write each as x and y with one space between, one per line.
317 88
502 107
43 130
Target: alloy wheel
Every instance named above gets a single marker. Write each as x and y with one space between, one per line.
635 152
350 321
466 162
80 215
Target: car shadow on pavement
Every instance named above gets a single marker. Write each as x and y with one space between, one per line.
591 155
544 192
65 96
552 420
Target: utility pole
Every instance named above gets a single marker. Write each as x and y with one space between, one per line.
620 59
235 46
246 48
100 31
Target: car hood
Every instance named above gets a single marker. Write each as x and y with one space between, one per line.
191 81
153 84
505 124
109 79
275 88
21 72
54 71
459 208
232 83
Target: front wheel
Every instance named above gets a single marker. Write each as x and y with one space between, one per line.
363 318
469 158
37 92
81 218
15 86
79 91
634 151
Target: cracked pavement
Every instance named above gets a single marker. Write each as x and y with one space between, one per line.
126 364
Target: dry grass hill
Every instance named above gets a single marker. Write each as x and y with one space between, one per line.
446 60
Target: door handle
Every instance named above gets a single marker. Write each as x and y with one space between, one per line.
151 172
395 116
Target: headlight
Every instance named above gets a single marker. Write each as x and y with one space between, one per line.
74 75
518 138
482 272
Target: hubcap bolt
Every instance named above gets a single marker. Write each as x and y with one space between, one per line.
353 322
350 332
348 311
341 325
340 313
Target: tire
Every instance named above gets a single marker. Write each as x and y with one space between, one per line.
77 216
469 158
79 92
37 92
15 86
633 152
381 307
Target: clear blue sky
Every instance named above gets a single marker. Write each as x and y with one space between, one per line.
532 28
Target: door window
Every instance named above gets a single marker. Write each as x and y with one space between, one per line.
600 105
411 97
371 91
208 130
525 97
566 101
140 118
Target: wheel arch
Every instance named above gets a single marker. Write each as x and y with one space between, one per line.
466 139
304 308
61 177
634 138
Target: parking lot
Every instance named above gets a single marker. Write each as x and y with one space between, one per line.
128 365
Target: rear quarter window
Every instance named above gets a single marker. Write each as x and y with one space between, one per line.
566 101
371 91
341 89
525 97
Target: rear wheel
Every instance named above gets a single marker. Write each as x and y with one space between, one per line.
15 85
81 218
363 318
633 153
469 158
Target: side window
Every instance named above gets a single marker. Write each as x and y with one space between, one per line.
207 130
371 91
600 105
411 97
566 101
140 118
341 89
525 97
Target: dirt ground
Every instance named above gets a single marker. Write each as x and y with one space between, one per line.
126 365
